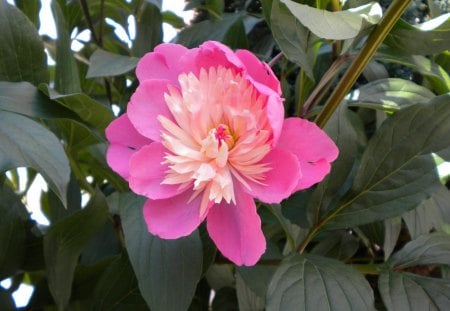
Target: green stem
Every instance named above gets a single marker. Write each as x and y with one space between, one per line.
372 269
375 39
300 96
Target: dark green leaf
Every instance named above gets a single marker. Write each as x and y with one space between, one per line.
247 299
102 245
24 98
172 19
390 94
164 268
104 64
148 29
22 56
209 30
67 80
12 232
433 248
27 143
64 242
31 9
435 74
88 109
117 288
346 130
340 245
76 135
409 292
431 214
225 300
257 278
431 37
296 42
6 301
395 174
318 283
392 228
338 25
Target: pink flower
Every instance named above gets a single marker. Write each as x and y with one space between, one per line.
204 134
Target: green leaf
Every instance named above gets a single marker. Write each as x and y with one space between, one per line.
257 278
397 171
296 42
88 109
318 283
64 242
164 268
31 9
106 64
7 301
390 95
392 228
148 29
433 248
338 25
435 74
346 130
198 33
76 135
22 56
27 143
117 288
247 299
67 80
172 19
430 37
409 292
339 245
24 98
431 214
12 232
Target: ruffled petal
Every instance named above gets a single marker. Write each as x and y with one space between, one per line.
147 171
124 141
259 71
146 104
162 63
236 229
313 148
174 217
281 181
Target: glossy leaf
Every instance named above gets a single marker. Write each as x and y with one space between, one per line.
64 242
24 98
296 42
67 80
430 37
13 229
389 94
396 176
24 142
318 283
164 268
338 25
22 56
409 292
106 64
433 248
88 109
431 214
148 29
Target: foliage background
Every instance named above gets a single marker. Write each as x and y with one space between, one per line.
373 234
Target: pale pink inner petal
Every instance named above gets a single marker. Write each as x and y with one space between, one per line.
236 229
174 217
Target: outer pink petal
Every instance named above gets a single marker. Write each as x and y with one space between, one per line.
313 148
173 218
258 70
236 229
146 104
147 172
124 141
162 63
281 180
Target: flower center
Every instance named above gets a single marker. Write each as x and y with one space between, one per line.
219 134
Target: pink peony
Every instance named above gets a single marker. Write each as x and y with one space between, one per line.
204 134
